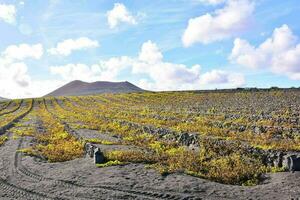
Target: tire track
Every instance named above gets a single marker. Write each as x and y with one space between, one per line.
69 184
23 171
10 190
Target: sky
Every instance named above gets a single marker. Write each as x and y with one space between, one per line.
158 45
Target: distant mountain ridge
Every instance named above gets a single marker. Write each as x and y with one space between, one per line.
77 88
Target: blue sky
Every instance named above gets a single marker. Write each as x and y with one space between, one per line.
157 45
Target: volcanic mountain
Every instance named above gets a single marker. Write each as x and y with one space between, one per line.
76 88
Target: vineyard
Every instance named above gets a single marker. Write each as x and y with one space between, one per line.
165 145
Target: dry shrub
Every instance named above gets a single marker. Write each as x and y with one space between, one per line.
131 156
222 161
61 150
180 159
228 162
233 169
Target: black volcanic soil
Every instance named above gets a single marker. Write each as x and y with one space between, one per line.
81 179
24 177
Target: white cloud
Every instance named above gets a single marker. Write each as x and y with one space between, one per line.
119 14
165 75
13 73
38 88
110 69
223 23
14 78
19 74
172 76
8 13
279 53
160 75
107 70
215 76
15 82
34 88
66 47
150 53
223 77
23 51
145 84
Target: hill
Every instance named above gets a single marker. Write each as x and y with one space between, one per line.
76 88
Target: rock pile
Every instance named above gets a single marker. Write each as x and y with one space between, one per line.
94 152
288 160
